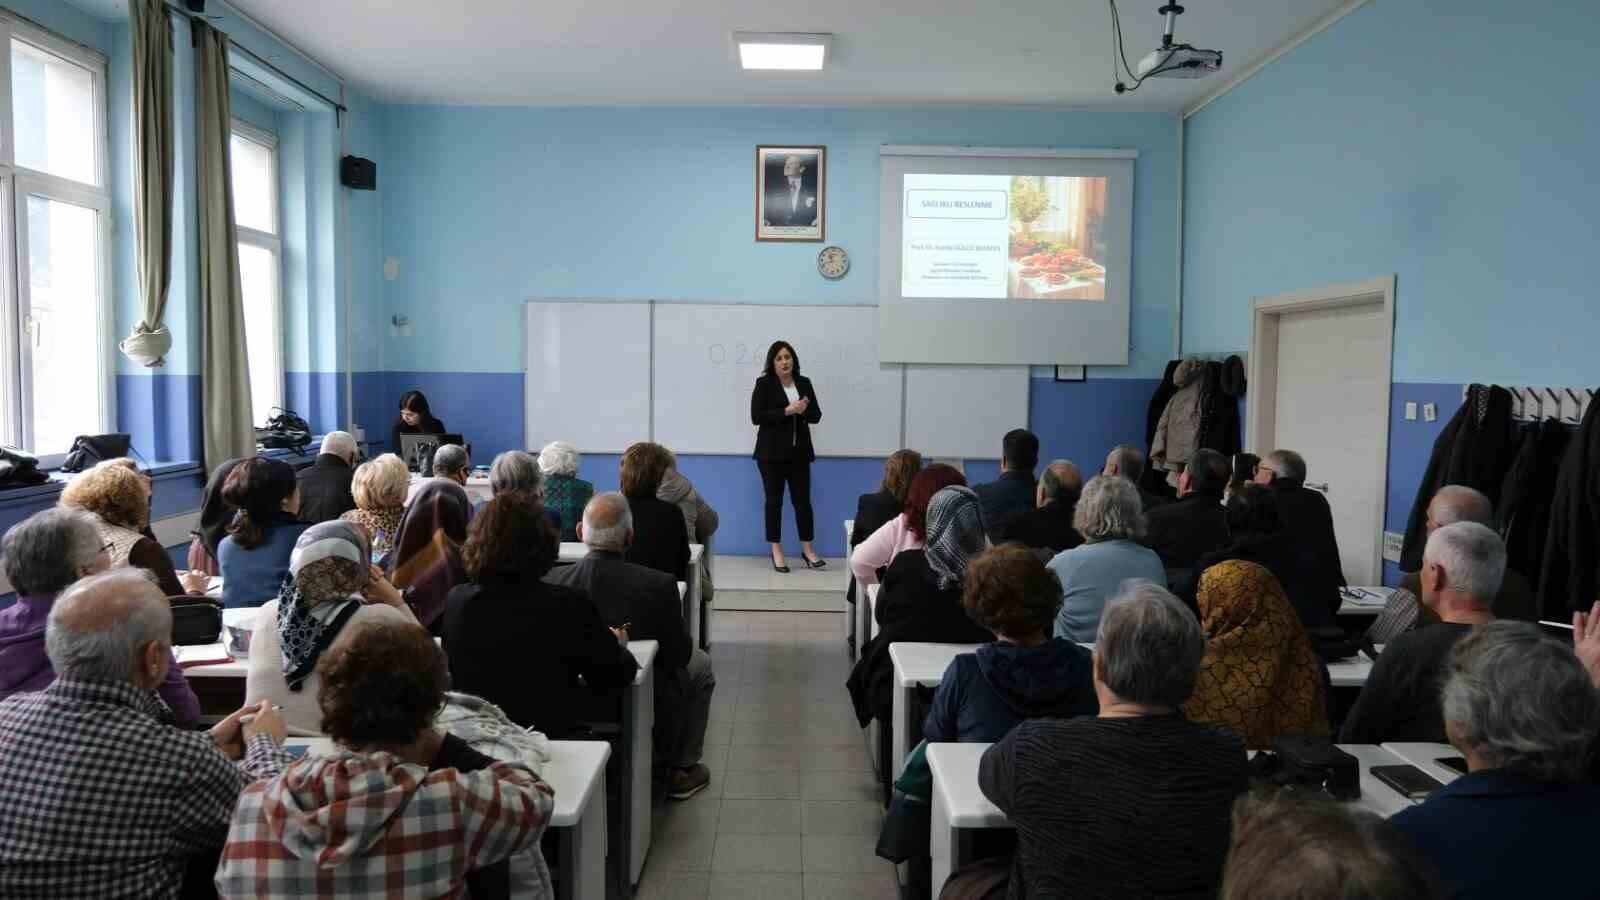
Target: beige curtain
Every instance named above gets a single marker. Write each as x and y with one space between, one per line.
225 370
151 27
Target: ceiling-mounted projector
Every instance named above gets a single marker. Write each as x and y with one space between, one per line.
1170 60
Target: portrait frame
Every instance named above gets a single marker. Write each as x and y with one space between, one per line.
785 216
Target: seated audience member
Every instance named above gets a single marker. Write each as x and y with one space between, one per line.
1260 676
1244 472
215 517
565 494
1108 518
1133 802
379 489
380 814
451 462
118 497
415 418
699 519
516 472
1461 569
644 604
1404 611
1302 512
332 589
921 598
1048 527
426 563
98 796
44 555
519 642
660 539
906 531
1024 673
1128 462
325 484
1251 518
254 556
1521 709
1302 844
1013 492
1187 529
878 508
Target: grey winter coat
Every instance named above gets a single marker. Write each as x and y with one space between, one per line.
1178 433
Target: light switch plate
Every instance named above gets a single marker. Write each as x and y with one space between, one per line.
1391 545
1411 410
1429 412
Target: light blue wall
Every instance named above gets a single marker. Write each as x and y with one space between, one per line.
363 137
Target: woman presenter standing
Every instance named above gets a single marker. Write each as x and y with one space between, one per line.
784 406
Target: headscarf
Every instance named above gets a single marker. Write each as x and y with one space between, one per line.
427 554
327 568
955 533
1259 675
215 515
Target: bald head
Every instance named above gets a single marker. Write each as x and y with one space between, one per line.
1125 460
607 522
1458 503
1060 480
114 627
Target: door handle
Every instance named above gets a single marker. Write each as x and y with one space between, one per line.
1321 488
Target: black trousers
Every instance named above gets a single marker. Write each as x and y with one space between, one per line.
797 472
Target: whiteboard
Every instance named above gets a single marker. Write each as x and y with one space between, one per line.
588 374
964 411
707 359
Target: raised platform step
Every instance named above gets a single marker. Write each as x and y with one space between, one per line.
748 582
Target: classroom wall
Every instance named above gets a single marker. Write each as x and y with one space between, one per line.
1463 166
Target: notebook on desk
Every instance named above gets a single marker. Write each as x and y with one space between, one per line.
202 655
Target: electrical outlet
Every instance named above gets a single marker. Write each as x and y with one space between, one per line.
1392 542
1429 412
1411 411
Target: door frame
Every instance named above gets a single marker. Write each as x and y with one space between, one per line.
1261 418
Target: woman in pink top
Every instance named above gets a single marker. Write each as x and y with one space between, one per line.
905 531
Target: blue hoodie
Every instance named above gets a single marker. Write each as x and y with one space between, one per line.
983 695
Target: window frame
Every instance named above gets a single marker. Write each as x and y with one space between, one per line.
17 183
271 241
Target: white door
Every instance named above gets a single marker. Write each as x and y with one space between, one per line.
1328 398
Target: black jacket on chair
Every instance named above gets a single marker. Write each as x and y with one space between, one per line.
660 539
781 437
325 489
641 598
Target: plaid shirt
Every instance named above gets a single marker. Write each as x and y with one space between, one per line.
356 825
99 798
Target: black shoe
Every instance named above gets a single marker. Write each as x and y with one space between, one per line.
784 570
815 563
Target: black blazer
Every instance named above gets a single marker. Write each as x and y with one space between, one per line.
627 594
1185 530
780 437
325 489
1049 526
660 539
873 511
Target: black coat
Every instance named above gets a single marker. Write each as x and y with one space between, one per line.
660 539
641 598
1004 498
1474 449
1527 494
325 489
781 437
1570 577
1185 530
1305 516
1045 527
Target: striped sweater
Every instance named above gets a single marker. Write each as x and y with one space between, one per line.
1116 807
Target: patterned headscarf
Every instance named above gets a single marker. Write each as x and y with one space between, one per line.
328 566
955 533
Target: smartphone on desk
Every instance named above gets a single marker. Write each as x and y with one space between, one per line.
1410 781
1454 763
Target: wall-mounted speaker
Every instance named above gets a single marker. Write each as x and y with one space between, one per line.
360 174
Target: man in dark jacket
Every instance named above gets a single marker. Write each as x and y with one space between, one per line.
1049 526
1303 512
643 604
1459 503
1127 461
1013 492
325 484
1182 532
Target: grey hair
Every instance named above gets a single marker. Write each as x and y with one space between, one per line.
1458 503
515 470
607 520
1052 482
109 653
450 459
1286 464
1109 509
1129 460
1521 701
341 444
1473 558
1149 644
559 458
45 552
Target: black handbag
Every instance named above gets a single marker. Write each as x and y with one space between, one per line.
284 431
195 620
19 468
88 449
1311 762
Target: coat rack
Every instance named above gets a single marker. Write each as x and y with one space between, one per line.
1533 404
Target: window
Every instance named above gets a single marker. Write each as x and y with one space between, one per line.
55 233
254 156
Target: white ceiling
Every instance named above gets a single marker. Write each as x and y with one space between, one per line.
621 52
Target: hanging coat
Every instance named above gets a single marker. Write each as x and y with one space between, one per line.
1474 449
1219 406
1178 432
1523 514
1570 577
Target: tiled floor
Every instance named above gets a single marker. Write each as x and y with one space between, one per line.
791 811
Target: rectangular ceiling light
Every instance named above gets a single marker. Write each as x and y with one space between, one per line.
782 51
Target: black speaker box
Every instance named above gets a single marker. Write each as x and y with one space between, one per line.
360 174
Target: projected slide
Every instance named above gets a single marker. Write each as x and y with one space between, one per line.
997 237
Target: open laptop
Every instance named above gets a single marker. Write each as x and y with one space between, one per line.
417 449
